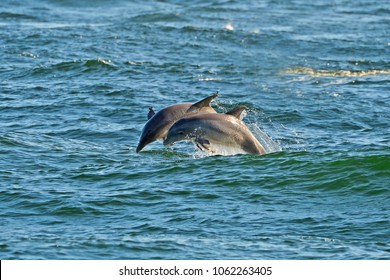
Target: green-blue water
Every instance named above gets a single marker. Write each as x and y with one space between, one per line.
76 81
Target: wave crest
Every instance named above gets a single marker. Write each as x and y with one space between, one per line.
335 73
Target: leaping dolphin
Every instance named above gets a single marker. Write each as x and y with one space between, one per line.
159 123
218 130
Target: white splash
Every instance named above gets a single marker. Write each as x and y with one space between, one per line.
335 73
269 145
229 26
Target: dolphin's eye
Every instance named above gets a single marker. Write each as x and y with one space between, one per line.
181 133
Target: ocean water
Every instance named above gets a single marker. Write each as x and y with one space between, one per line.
76 81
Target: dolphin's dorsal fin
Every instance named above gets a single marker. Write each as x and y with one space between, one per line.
239 112
203 103
151 112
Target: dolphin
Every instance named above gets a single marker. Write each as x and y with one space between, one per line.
216 130
159 123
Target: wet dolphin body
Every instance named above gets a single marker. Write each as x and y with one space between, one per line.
206 130
158 124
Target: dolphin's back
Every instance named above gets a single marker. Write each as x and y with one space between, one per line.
158 125
220 129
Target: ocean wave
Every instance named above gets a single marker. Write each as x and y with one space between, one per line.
159 17
75 66
334 73
17 16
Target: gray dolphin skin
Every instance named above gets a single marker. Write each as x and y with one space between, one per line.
219 129
159 123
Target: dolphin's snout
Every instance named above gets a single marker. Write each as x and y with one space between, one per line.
142 143
167 142
139 148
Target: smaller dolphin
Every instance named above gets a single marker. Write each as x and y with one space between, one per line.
218 130
159 123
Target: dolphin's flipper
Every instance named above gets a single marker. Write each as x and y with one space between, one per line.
239 112
203 144
203 103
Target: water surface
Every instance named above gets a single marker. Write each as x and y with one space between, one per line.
76 81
